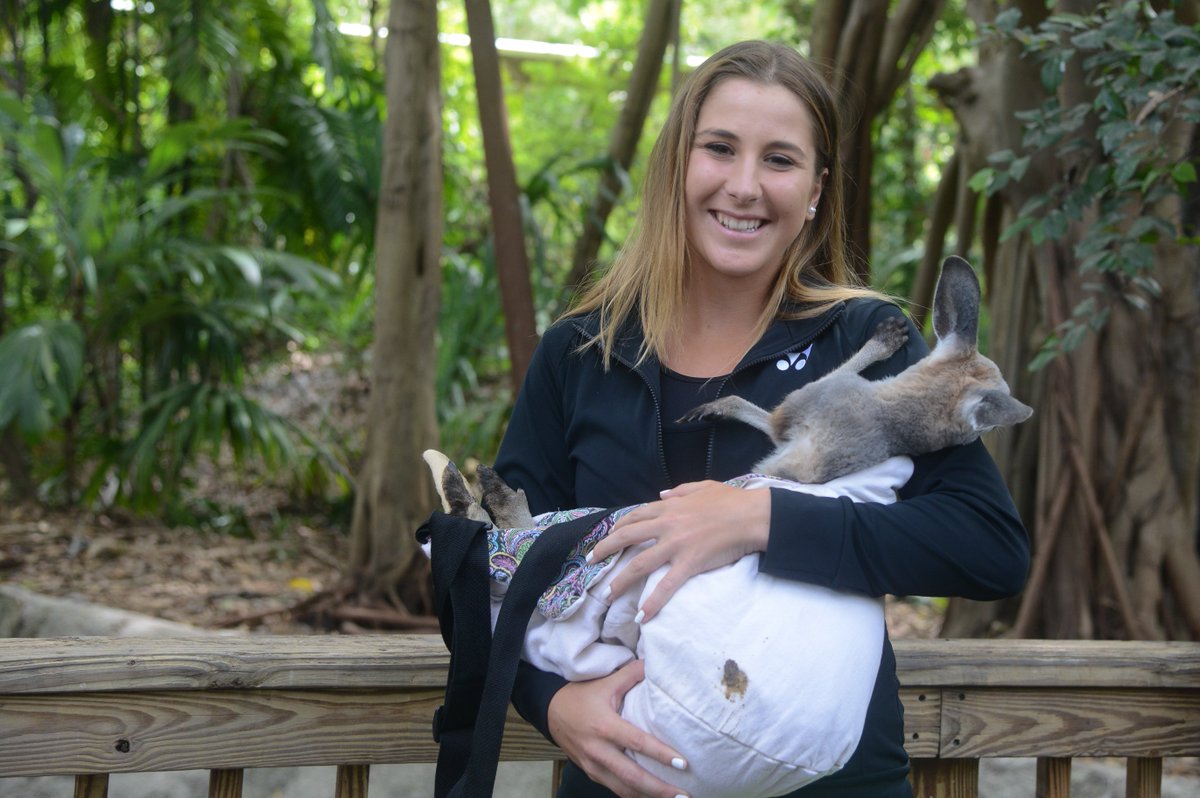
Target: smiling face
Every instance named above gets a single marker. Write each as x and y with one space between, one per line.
751 179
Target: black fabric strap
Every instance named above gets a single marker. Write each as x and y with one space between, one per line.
469 726
463 604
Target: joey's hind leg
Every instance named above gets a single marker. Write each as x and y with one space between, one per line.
508 508
734 407
890 335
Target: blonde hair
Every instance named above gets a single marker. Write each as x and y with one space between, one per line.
648 275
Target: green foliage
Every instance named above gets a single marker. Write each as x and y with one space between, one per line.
155 247
1143 69
473 389
192 190
42 364
193 418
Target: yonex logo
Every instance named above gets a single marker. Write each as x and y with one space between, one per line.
793 360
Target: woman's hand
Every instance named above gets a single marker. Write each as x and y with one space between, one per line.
585 722
696 527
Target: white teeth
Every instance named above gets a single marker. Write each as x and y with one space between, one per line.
740 225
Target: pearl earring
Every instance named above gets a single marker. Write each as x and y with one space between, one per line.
812 209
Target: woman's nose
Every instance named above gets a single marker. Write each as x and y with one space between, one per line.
741 182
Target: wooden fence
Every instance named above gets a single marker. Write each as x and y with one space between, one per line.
89 707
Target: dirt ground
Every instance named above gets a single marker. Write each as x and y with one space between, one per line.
204 578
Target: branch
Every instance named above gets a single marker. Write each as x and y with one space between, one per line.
652 47
1051 525
508 227
1097 525
944 203
905 36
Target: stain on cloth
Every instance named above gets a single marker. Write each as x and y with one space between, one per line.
734 680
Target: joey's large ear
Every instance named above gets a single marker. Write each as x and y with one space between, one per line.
508 508
956 302
995 408
451 487
438 463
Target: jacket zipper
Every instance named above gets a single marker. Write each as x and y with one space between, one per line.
712 435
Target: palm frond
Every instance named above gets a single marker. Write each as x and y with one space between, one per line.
194 418
41 369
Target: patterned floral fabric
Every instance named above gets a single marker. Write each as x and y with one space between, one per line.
506 547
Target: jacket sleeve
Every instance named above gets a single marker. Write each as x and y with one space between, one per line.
533 457
533 453
954 531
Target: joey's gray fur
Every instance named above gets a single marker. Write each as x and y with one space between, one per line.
843 422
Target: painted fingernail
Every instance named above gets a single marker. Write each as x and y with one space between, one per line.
679 763
640 616
662 494
589 556
681 795
607 592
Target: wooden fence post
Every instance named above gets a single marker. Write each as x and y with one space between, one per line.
945 778
1053 777
1143 777
352 781
92 786
225 783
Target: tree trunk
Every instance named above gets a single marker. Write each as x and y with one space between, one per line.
14 457
1105 475
868 50
660 23
504 195
394 494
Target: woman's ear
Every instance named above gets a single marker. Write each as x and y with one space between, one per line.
815 200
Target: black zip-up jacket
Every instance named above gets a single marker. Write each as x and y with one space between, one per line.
581 436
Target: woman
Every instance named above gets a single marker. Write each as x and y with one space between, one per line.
736 281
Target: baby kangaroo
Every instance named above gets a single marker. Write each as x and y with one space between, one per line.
843 422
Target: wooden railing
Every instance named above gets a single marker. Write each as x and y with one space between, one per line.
89 707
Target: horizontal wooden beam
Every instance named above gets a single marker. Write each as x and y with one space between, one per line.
1069 722
227 729
389 661
318 662
1048 663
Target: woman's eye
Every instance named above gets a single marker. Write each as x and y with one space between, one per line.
780 161
719 148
